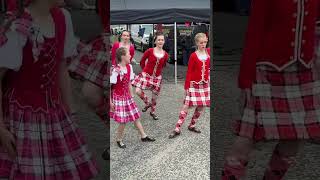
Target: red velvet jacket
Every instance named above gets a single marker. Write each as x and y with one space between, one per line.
121 88
197 70
36 84
104 12
114 50
280 32
151 65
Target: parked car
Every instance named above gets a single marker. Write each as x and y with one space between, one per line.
140 35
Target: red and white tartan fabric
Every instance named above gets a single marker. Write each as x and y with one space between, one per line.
282 105
92 62
147 82
46 142
198 94
126 110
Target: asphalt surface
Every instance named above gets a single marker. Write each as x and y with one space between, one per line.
87 26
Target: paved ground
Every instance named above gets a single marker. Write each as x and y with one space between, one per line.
93 129
186 157
225 91
87 26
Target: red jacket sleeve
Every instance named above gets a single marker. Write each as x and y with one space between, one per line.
113 53
166 57
132 52
144 58
12 6
190 71
253 42
104 12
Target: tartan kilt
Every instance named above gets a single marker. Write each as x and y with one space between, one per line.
146 82
198 94
49 146
282 105
92 63
126 110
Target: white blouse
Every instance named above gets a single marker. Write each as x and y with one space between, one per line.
203 57
11 53
158 55
114 74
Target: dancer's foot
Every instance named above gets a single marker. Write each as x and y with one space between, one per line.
147 139
121 144
106 155
154 116
174 134
146 108
194 129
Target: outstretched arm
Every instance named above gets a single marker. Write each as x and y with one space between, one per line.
6 138
65 87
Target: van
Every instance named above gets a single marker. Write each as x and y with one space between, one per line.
140 34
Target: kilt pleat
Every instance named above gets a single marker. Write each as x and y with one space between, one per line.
147 82
49 146
198 94
126 110
282 105
91 63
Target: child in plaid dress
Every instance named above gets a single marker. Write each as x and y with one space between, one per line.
197 85
123 109
280 86
151 76
124 41
39 139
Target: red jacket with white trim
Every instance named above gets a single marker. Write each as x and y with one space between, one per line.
280 32
198 70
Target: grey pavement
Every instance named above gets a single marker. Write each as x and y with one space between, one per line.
93 130
86 26
230 31
185 157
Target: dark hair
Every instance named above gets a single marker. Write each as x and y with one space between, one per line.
157 35
119 38
122 51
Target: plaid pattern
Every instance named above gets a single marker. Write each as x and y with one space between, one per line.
282 105
198 95
147 82
49 146
92 62
126 109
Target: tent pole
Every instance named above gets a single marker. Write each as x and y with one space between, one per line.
175 52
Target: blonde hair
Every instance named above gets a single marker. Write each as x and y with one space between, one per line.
198 36
122 51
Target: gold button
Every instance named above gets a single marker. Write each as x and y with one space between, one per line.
303 41
306 13
293 30
302 55
42 86
291 57
304 28
43 75
292 44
